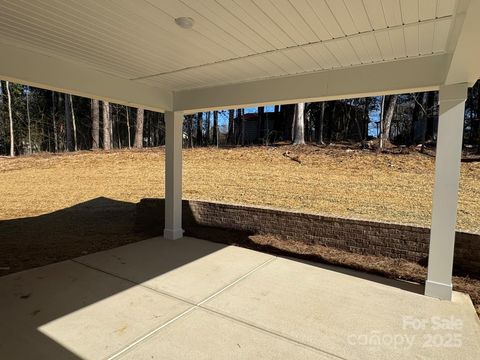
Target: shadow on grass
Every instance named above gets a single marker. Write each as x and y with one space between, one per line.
95 225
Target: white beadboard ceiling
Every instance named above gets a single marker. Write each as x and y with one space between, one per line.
231 41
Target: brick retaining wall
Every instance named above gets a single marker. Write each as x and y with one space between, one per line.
360 236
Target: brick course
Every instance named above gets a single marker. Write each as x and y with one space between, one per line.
360 236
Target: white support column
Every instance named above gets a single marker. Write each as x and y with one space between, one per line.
173 175
445 196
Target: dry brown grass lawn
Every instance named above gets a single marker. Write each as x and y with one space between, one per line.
331 181
86 200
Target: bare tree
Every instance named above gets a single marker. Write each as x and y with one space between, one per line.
10 116
241 118
74 123
68 122
207 128
423 117
127 111
320 124
54 123
261 121
215 128
299 125
267 130
110 127
382 115
95 113
387 120
189 119
106 125
29 122
3 132
199 129
231 126
138 143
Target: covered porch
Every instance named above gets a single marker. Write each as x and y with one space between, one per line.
231 55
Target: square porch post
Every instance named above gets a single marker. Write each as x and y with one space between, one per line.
445 196
173 175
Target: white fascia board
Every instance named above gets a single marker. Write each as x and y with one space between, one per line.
32 68
401 76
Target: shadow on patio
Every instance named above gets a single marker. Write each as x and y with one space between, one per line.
35 300
47 309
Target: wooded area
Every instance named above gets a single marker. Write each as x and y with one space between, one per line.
36 120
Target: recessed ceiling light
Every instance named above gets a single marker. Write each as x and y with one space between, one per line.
184 22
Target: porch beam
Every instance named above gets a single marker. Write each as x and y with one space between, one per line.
173 175
445 197
409 75
40 70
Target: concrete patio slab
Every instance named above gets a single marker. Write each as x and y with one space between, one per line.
69 311
201 267
247 305
349 316
206 335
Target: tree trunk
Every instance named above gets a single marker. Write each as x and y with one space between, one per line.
358 126
199 129
27 93
215 128
476 128
95 113
189 119
54 123
231 132
106 125
138 143
387 121
261 122
148 120
242 126
382 112
320 124
292 125
299 136
306 121
422 118
117 121
73 123
430 128
367 117
207 128
68 122
10 116
157 130
287 118
267 132
127 111
111 125
3 129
